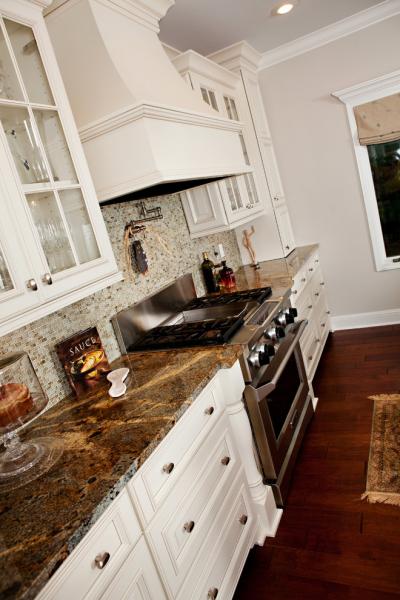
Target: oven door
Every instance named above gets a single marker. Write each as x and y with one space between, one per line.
276 404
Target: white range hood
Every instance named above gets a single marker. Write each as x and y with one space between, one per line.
141 125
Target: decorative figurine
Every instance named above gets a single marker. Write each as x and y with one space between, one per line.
246 241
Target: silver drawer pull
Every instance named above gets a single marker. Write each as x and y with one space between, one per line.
287 247
209 410
212 593
101 560
309 306
189 526
294 291
310 357
311 269
168 468
316 294
226 460
31 285
317 340
328 312
322 283
47 279
303 279
323 324
243 519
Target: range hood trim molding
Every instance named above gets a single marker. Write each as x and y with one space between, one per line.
193 61
130 114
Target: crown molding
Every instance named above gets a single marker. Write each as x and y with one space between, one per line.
237 56
193 61
146 12
367 91
326 35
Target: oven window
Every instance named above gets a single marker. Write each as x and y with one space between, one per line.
280 401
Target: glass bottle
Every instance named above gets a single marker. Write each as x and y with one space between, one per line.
227 276
207 268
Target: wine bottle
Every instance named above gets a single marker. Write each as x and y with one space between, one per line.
207 267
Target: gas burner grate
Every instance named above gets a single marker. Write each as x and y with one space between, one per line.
201 333
256 295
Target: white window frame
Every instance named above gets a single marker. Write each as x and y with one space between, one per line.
351 97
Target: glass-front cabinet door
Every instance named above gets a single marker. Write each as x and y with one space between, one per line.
39 142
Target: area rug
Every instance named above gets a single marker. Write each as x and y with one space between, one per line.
383 478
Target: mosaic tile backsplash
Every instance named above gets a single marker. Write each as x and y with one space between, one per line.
170 253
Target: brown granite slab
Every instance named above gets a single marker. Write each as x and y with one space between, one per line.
105 441
276 273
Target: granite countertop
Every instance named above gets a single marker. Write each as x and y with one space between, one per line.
276 273
105 442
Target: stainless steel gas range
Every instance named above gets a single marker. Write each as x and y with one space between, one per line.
277 394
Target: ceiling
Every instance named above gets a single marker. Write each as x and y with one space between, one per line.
209 25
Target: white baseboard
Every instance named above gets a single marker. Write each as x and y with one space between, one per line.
368 319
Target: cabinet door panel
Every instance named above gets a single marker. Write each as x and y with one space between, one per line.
285 228
203 209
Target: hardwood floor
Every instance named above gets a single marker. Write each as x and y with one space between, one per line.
330 545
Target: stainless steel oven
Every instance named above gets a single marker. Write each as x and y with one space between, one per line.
280 407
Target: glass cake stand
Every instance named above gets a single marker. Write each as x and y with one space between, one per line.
22 400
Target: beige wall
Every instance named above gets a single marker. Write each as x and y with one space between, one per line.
317 162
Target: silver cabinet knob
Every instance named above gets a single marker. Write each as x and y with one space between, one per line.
311 269
323 324
303 279
309 306
322 283
243 519
168 468
316 294
248 206
209 410
189 526
287 247
310 357
226 460
31 285
212 593
101 560
47 279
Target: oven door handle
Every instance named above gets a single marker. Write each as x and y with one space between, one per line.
267 388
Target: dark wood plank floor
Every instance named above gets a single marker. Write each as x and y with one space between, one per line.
330 545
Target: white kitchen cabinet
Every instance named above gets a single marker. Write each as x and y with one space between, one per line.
243 60
186 521
240 198
308 296
54 245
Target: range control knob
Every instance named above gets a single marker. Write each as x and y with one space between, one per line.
289 317
275 333
254 359
280 320
293 311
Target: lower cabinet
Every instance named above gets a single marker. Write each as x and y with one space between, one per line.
308 296
183 526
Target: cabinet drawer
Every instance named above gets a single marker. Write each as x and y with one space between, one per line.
234 541
299 282
304 305
114 534
137 579
159 473
180 527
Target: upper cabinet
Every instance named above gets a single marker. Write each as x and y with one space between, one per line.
231 89
54 247
235 200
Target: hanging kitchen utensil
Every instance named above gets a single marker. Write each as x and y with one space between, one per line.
135 256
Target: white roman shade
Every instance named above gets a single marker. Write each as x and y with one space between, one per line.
378 121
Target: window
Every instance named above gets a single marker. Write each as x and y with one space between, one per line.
209 97
373 111
230 106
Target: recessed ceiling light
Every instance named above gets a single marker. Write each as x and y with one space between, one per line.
283 8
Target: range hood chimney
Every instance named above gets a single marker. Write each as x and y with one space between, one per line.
144 131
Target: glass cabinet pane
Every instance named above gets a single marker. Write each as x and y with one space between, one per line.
251 188
9 86
29 62
23 144
79 225
235 198
52 234
55 145
5 279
